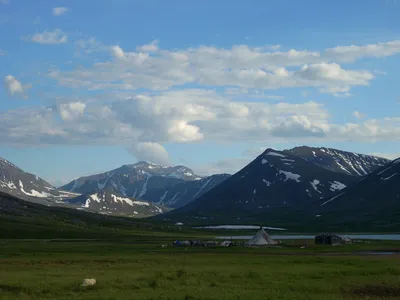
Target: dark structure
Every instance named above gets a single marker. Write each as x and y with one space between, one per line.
328 239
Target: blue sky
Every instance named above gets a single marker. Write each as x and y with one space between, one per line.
91 85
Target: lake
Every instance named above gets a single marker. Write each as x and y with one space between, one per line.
385 237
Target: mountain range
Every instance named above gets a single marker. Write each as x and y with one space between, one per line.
284 188
280 187
173 186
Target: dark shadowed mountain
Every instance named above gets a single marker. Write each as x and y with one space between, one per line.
274 180
340 161
372 202
182 193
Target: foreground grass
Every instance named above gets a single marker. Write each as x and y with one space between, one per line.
144 270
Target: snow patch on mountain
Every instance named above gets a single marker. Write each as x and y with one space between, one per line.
271 153
337 186
387 178
268 183
290 175
314 184
144 188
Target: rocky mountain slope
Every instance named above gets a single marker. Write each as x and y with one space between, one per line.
17 182
182 193
340 161
106 202
374 198
132 180
274 180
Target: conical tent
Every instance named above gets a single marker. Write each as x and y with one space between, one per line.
261 238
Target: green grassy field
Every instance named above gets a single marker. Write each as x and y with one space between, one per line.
139 268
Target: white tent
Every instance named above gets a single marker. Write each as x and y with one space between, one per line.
260 239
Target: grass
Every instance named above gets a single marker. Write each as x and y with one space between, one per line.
141 269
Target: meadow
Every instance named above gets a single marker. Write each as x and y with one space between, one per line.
139 268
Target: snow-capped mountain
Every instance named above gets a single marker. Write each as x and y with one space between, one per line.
15 181
275 179
132 180
182 193
340 161
108 203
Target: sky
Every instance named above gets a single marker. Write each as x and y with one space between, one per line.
88 86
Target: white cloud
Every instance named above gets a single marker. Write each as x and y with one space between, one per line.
152 47
58 11
352 53
14 86
358 115
71 111
227 166
54 37
151 152
241 67
183 116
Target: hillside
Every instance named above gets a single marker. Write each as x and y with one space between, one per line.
25 219
274 182
373 201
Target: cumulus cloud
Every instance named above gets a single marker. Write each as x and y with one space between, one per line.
54 37
14 86
72 111
240 67
152 47
58 11
183 116
151 152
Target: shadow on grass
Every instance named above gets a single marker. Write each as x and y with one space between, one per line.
13 289
379 291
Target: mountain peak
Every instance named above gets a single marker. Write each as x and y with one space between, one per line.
350 163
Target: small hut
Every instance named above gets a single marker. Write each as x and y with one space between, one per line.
328 239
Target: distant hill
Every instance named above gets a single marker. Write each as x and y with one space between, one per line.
106 202
17 182
132 180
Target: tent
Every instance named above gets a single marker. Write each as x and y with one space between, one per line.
261 239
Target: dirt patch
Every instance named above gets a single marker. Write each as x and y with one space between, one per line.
379 291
